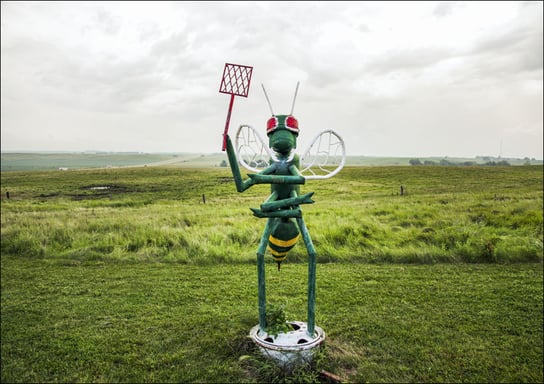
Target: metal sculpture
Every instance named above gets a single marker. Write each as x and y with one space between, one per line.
277 164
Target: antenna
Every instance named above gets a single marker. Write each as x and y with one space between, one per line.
265 95
294 98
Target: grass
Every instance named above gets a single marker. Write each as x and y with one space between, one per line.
53 161
449 214
183 323
127 275
13 161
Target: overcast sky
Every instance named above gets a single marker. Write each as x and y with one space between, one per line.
416 79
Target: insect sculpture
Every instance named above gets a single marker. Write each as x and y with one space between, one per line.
277 164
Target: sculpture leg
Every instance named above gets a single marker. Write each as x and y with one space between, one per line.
311 275
261 275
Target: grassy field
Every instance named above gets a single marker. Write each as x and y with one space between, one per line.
13 161
71 161
126 274
447 214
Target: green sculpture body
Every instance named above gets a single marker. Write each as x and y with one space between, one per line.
285 225
281 208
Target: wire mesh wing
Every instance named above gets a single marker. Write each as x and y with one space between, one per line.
325 157
251 150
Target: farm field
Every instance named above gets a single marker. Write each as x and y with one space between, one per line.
148 274
13 161
69 161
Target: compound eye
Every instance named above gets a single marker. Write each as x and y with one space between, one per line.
291 123
271 124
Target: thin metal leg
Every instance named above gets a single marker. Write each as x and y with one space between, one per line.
261 274
311 275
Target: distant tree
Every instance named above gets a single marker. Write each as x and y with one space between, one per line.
429 162
446 162
493 163
415 162
223 163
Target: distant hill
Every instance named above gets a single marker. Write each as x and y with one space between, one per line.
11 161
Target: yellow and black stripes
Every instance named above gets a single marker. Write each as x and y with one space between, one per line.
283 238
279 248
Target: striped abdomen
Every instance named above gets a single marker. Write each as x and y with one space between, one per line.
283 237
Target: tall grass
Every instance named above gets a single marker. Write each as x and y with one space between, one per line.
447 214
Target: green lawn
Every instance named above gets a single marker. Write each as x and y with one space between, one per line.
181 323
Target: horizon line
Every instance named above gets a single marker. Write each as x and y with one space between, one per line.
92 151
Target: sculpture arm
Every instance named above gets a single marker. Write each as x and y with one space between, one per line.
241 185
261 178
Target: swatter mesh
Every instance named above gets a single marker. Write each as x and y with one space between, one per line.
236 80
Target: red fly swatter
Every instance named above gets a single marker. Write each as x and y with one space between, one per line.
235 82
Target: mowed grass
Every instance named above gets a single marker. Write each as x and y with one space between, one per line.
127 275
181 323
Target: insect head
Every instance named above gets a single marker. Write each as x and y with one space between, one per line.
282 131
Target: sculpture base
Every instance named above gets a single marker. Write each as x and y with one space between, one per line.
289 349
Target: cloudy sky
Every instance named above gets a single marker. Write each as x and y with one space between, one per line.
458 79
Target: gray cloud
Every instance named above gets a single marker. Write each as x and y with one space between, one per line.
520 49
443 8
107 23
412 81
408 60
